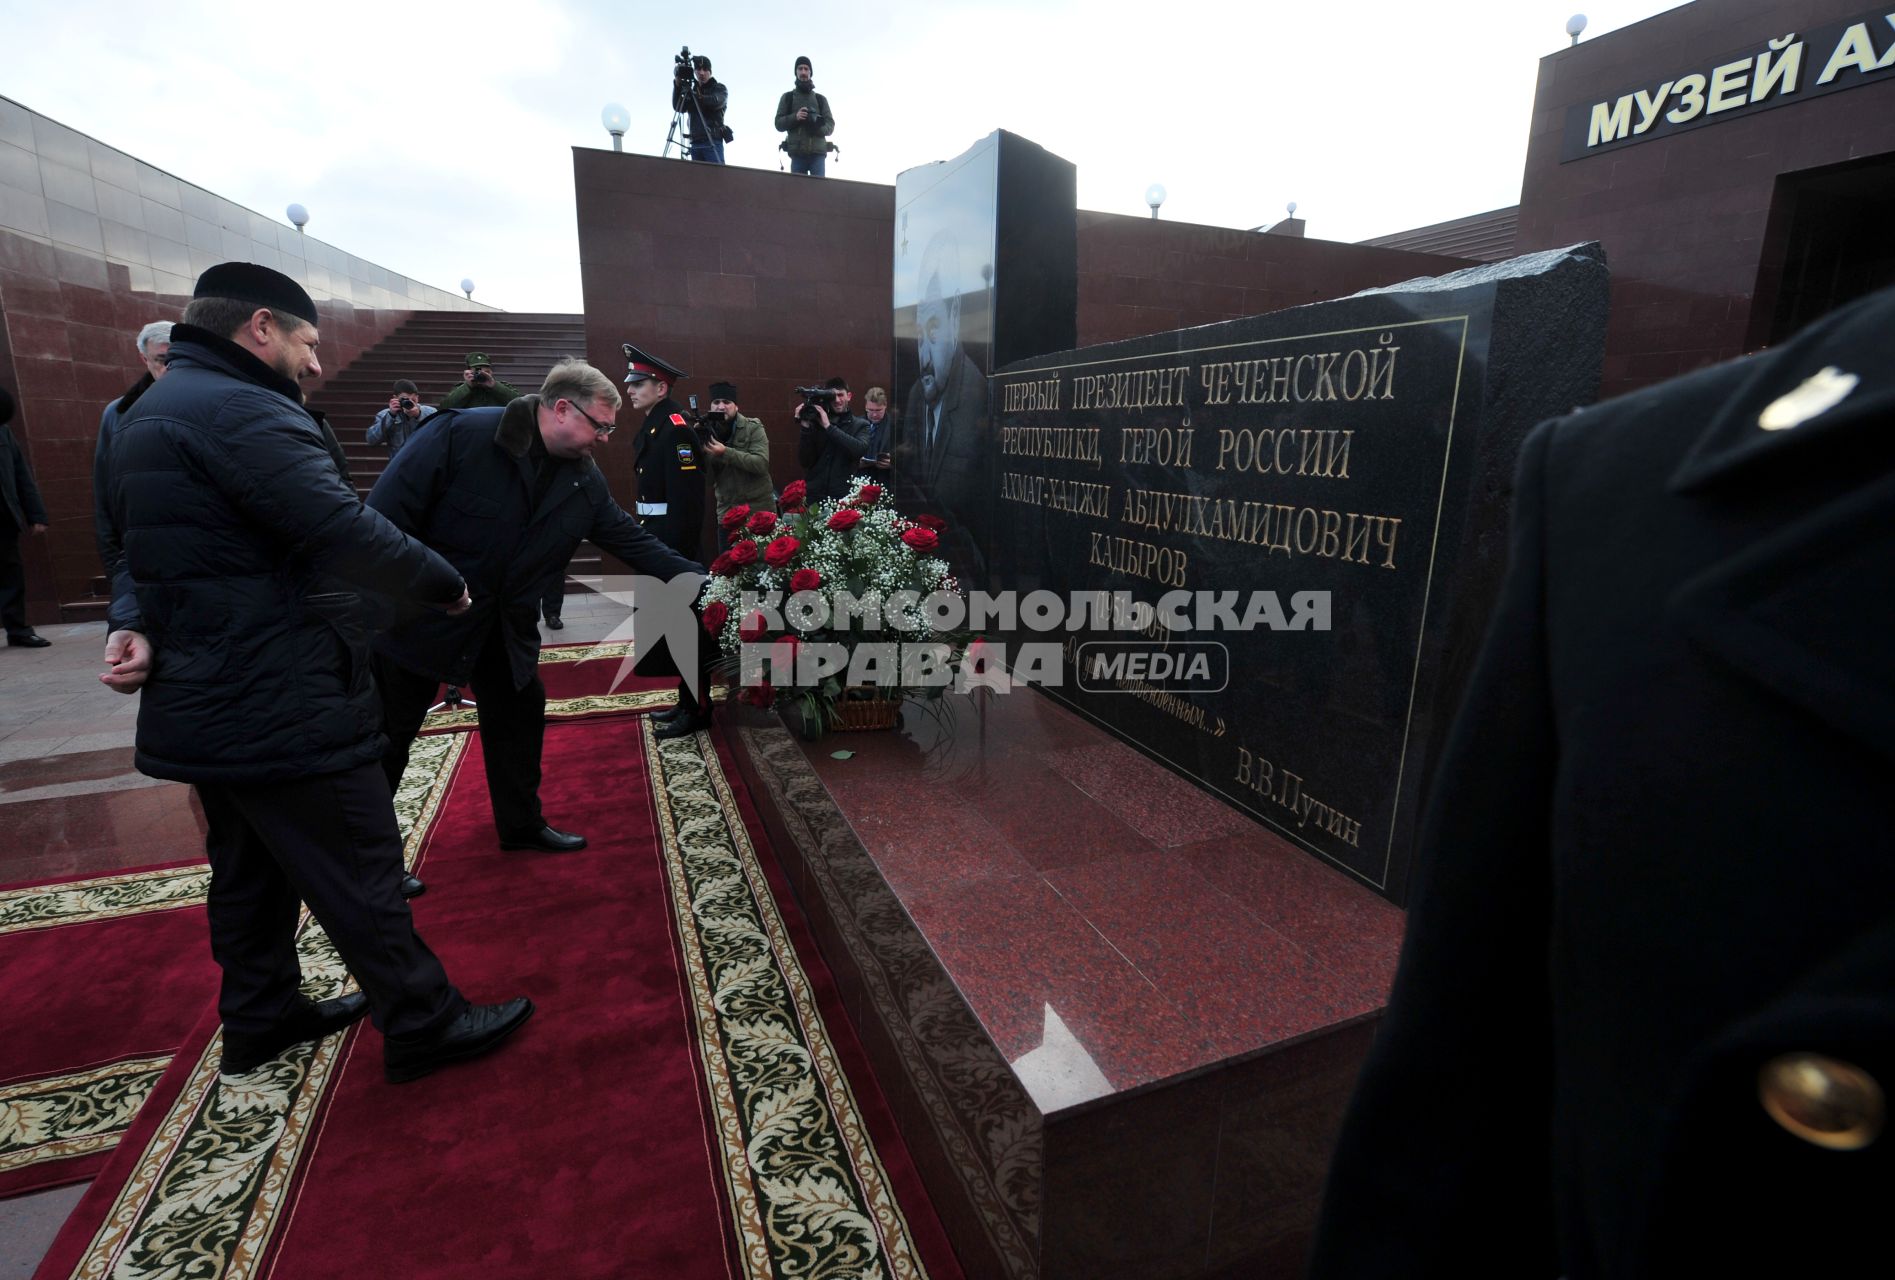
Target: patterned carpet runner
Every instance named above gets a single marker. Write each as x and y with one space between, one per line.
689 1101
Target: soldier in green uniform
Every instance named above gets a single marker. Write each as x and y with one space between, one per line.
479 387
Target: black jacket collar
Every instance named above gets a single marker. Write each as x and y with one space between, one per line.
136 390
1825 386
519 426
191 345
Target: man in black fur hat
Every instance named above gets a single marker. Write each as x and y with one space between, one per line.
237 530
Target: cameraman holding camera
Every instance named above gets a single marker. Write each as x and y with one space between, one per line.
479 388
803 114
401 419
701 100
737 451
831 446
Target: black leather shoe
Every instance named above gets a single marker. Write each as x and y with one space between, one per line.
480 1029
29 640
311 1020
682 726
412 887
667 715
554 624
545 839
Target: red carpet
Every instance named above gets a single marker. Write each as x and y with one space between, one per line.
579 1149
90 1011
583 1148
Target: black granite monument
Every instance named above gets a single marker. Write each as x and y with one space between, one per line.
1314 503
986 272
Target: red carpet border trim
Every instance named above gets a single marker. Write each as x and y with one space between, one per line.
807 1190
76 1114
136 892
128 893
79 1113
209 1188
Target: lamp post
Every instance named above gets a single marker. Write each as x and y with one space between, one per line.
616 120
298 217
1155 196
467 287
1575 25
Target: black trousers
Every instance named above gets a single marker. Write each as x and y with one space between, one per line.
512 729
555 598
329 841
12 578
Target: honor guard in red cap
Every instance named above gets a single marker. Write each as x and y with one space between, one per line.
669 462
671 471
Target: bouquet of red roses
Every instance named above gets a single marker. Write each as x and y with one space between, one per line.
815 605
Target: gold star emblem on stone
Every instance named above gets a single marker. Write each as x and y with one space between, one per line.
1820 392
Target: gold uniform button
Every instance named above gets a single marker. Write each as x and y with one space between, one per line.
1826 1101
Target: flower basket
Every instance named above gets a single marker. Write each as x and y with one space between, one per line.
871 712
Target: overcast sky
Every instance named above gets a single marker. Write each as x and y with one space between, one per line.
436 139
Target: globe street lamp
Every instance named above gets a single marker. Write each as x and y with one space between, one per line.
616 120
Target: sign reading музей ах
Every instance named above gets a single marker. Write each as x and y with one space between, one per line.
1346 462
1774 72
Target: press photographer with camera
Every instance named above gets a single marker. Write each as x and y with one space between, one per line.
701 101
737 452
830 447
479 387
401 419
803 115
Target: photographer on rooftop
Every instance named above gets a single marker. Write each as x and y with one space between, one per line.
803 114
701 100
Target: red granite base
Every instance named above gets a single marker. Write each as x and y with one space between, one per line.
1118 1021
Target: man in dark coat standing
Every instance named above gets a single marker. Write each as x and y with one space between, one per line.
236 528
830 450
669 463
21 511
154 349
506 495
701 99
1644 1020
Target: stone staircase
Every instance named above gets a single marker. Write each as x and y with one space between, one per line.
429 349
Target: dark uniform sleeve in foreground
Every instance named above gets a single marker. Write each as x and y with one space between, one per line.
1444 1165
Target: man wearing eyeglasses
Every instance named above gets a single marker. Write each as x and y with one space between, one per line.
505 496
